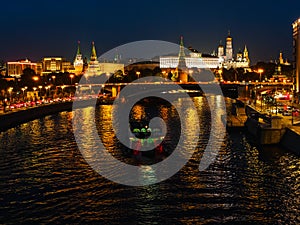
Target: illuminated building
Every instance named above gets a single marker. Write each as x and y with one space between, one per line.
278 74
111 67
78 62
193 60
228 60
15 69
281 61
181 69
296 53
280 58
55 65
221 50
93 65
229 51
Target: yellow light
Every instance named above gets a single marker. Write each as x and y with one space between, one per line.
260 70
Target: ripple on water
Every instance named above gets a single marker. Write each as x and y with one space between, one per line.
44 179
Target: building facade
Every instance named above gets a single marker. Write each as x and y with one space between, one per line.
241 60
15 69
55 65
296 53
93 68
193 60
78 62
111 67
229 50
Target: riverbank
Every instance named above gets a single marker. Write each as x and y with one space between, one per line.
12 119
267 129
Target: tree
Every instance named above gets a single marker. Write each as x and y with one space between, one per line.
27 78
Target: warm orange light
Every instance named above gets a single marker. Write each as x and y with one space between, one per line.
35 78
260 70
72 76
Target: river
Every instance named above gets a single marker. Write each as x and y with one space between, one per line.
45 179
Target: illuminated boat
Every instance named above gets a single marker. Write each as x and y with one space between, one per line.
144 137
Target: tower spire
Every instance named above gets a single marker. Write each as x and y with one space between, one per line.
78 62
94 54
229 50
181 49
182 75
78 48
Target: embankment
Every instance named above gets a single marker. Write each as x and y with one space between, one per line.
13 119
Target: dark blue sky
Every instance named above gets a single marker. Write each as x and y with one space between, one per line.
36 29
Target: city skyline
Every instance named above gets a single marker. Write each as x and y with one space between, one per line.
34 31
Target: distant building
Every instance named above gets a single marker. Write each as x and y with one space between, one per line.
296 53
93 68
281 61
278 74
111 67
193 60
55 65
78 62
220 50
15 69
229 50
241 60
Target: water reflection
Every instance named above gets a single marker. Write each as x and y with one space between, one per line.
46 180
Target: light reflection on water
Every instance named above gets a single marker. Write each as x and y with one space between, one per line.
44 178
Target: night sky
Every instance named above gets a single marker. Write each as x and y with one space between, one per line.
36 29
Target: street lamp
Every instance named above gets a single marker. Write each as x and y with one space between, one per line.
71 77
138 74
47 88
35 78
53 78
260 71
40 87
62 89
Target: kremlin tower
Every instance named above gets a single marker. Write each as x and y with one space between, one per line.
181 69
93 66
229 51
78 62
220 50
241 60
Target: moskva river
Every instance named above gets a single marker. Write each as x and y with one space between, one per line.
45 178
